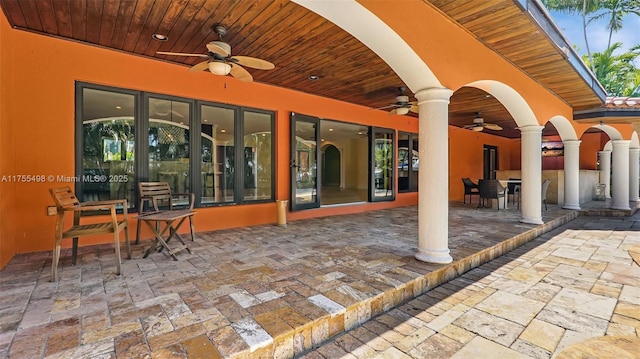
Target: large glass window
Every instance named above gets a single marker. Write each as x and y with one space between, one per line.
258 153
217 153
106 168
408 162
187 143
169 144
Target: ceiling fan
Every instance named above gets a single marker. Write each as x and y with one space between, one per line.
479 124
402 106
220 62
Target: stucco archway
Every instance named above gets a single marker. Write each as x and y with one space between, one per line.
531 152
433 99
569 191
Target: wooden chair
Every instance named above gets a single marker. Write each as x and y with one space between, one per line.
159 197
491 189
470 189
67 202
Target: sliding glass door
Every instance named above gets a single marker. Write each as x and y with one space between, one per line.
304 162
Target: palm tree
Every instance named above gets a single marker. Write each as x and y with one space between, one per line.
615 11
617 73
582 7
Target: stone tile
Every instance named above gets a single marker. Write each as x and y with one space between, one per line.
573 320
200 347
542 334
512 307
630 294
252 333
327 304
437 344
447 317
392 353
100 335
479 346
494 328
408 342
591 304
628 310
458 334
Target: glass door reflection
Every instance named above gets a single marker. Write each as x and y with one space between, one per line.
304 168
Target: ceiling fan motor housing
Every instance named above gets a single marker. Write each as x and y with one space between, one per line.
223 45
401 100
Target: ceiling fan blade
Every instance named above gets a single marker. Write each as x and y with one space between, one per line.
393 112
215 48
414 108
492 126
253 62
180 54
383 107
240 73
199 67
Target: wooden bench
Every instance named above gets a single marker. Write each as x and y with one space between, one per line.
66 202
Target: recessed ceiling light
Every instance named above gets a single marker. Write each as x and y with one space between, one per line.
331 129
313 77
223 130
118 107
322 140
159 37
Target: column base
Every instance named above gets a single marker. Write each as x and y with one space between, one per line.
621 208
439 257
572 206
532 220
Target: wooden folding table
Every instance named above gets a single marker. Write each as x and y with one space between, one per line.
168 217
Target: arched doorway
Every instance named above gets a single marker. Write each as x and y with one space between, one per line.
331 167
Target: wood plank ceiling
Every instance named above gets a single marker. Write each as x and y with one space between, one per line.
302 44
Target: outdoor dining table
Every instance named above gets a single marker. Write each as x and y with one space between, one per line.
172 220
505 183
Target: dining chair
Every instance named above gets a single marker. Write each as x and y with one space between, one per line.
470 189
491 189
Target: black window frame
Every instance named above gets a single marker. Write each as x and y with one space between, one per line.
141 123
412 187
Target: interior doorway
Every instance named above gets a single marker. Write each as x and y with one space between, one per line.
331 167
490 162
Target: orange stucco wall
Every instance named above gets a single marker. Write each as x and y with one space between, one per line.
7 190
466 157
37 134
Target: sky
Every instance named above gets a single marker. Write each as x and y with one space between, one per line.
597 32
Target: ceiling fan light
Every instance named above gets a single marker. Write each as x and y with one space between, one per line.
219 68
402 111
477 128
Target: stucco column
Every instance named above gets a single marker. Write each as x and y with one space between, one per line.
531 189
620 180
571 174
634 173
433 196
605 172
